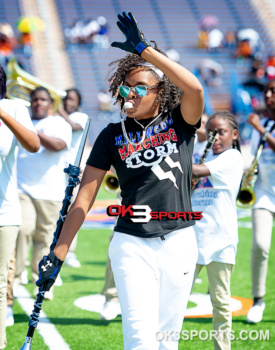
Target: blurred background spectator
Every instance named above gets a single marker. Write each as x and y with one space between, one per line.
7 42
211 72
89 31
249 43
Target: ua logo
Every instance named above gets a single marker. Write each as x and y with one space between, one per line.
44 268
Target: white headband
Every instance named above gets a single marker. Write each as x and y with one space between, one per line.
154 68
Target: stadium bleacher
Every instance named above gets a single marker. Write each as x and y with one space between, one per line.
172 24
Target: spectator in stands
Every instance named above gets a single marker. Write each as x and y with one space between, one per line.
215 39
211 72
7 42
230 39
202 42
89 31
270 67
26 39
15 129
41 189
104 27
255 83
249 43
243 49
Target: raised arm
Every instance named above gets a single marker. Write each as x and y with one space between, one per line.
192 100
28 139
89 186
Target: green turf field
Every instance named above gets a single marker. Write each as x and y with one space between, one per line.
83 330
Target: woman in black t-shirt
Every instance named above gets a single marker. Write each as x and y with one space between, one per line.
153 252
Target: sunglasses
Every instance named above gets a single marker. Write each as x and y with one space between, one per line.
140 90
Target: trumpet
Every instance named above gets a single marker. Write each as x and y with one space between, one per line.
110 183
20 84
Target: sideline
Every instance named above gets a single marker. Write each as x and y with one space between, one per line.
45 328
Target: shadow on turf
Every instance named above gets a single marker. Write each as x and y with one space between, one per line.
198 320
84 277
253 324
76 321
209 320
23 318
89 262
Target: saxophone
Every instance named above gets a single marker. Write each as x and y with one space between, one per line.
246 196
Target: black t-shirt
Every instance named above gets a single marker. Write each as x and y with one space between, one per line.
156 173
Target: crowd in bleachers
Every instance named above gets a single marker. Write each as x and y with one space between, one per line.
89 31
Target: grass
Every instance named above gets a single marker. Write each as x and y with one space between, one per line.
83 330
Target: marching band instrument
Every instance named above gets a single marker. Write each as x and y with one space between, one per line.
246 196
211 140
20 84
110 183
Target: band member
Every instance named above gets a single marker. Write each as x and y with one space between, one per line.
70 112
153 260
111 308
42 188
15 128
264 208
217 233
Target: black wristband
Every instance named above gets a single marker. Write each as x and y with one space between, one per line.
56 261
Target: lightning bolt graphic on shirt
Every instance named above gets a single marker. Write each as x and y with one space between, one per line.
157 170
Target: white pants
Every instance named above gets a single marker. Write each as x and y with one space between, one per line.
153 279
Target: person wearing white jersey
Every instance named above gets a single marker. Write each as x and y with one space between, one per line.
70 112
263 211
217 233
41 183
16 130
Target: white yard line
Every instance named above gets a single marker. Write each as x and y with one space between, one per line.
46 329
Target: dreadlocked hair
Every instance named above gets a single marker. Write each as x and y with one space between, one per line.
230 118
3 81
169 93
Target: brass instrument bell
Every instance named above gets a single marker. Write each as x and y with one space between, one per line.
20 84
